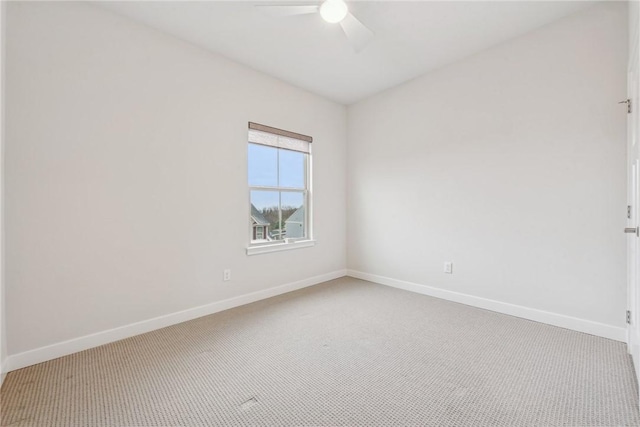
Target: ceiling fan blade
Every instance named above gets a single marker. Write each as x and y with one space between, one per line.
357 33
288 10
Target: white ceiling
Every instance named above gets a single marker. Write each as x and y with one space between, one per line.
411 37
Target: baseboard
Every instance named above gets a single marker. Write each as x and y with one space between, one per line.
3 372
53 351
567 322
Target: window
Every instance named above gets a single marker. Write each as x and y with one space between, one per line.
279 165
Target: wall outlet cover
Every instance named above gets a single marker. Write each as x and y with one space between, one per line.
448 267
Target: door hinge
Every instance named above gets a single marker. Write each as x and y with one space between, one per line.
628 317
628 212
628 102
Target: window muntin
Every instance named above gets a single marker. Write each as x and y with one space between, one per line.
279 187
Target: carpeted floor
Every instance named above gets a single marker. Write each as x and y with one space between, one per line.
346 352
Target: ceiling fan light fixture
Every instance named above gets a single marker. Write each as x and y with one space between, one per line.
333 11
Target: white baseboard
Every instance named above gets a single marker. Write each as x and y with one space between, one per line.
567 322
53 351
3 372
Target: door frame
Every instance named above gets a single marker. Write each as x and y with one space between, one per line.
633 190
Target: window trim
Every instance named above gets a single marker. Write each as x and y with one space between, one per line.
277 247
287 243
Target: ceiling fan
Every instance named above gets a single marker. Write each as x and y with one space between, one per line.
332 11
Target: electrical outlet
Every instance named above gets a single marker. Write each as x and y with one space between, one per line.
227 275
448 267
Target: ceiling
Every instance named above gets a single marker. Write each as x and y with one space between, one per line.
411 39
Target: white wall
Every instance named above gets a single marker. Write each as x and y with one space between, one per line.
126 188
511 164
3 324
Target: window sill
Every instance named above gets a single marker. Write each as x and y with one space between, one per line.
263 249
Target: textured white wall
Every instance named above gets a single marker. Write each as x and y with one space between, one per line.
126 188
511 164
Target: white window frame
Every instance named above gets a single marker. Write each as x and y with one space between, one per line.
254 247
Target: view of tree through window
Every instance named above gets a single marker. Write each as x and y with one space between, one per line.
278 192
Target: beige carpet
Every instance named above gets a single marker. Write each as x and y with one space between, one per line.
346 352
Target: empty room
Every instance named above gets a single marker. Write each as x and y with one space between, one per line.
319 213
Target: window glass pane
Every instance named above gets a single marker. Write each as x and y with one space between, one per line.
293 214
265 212
291 168
263 165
